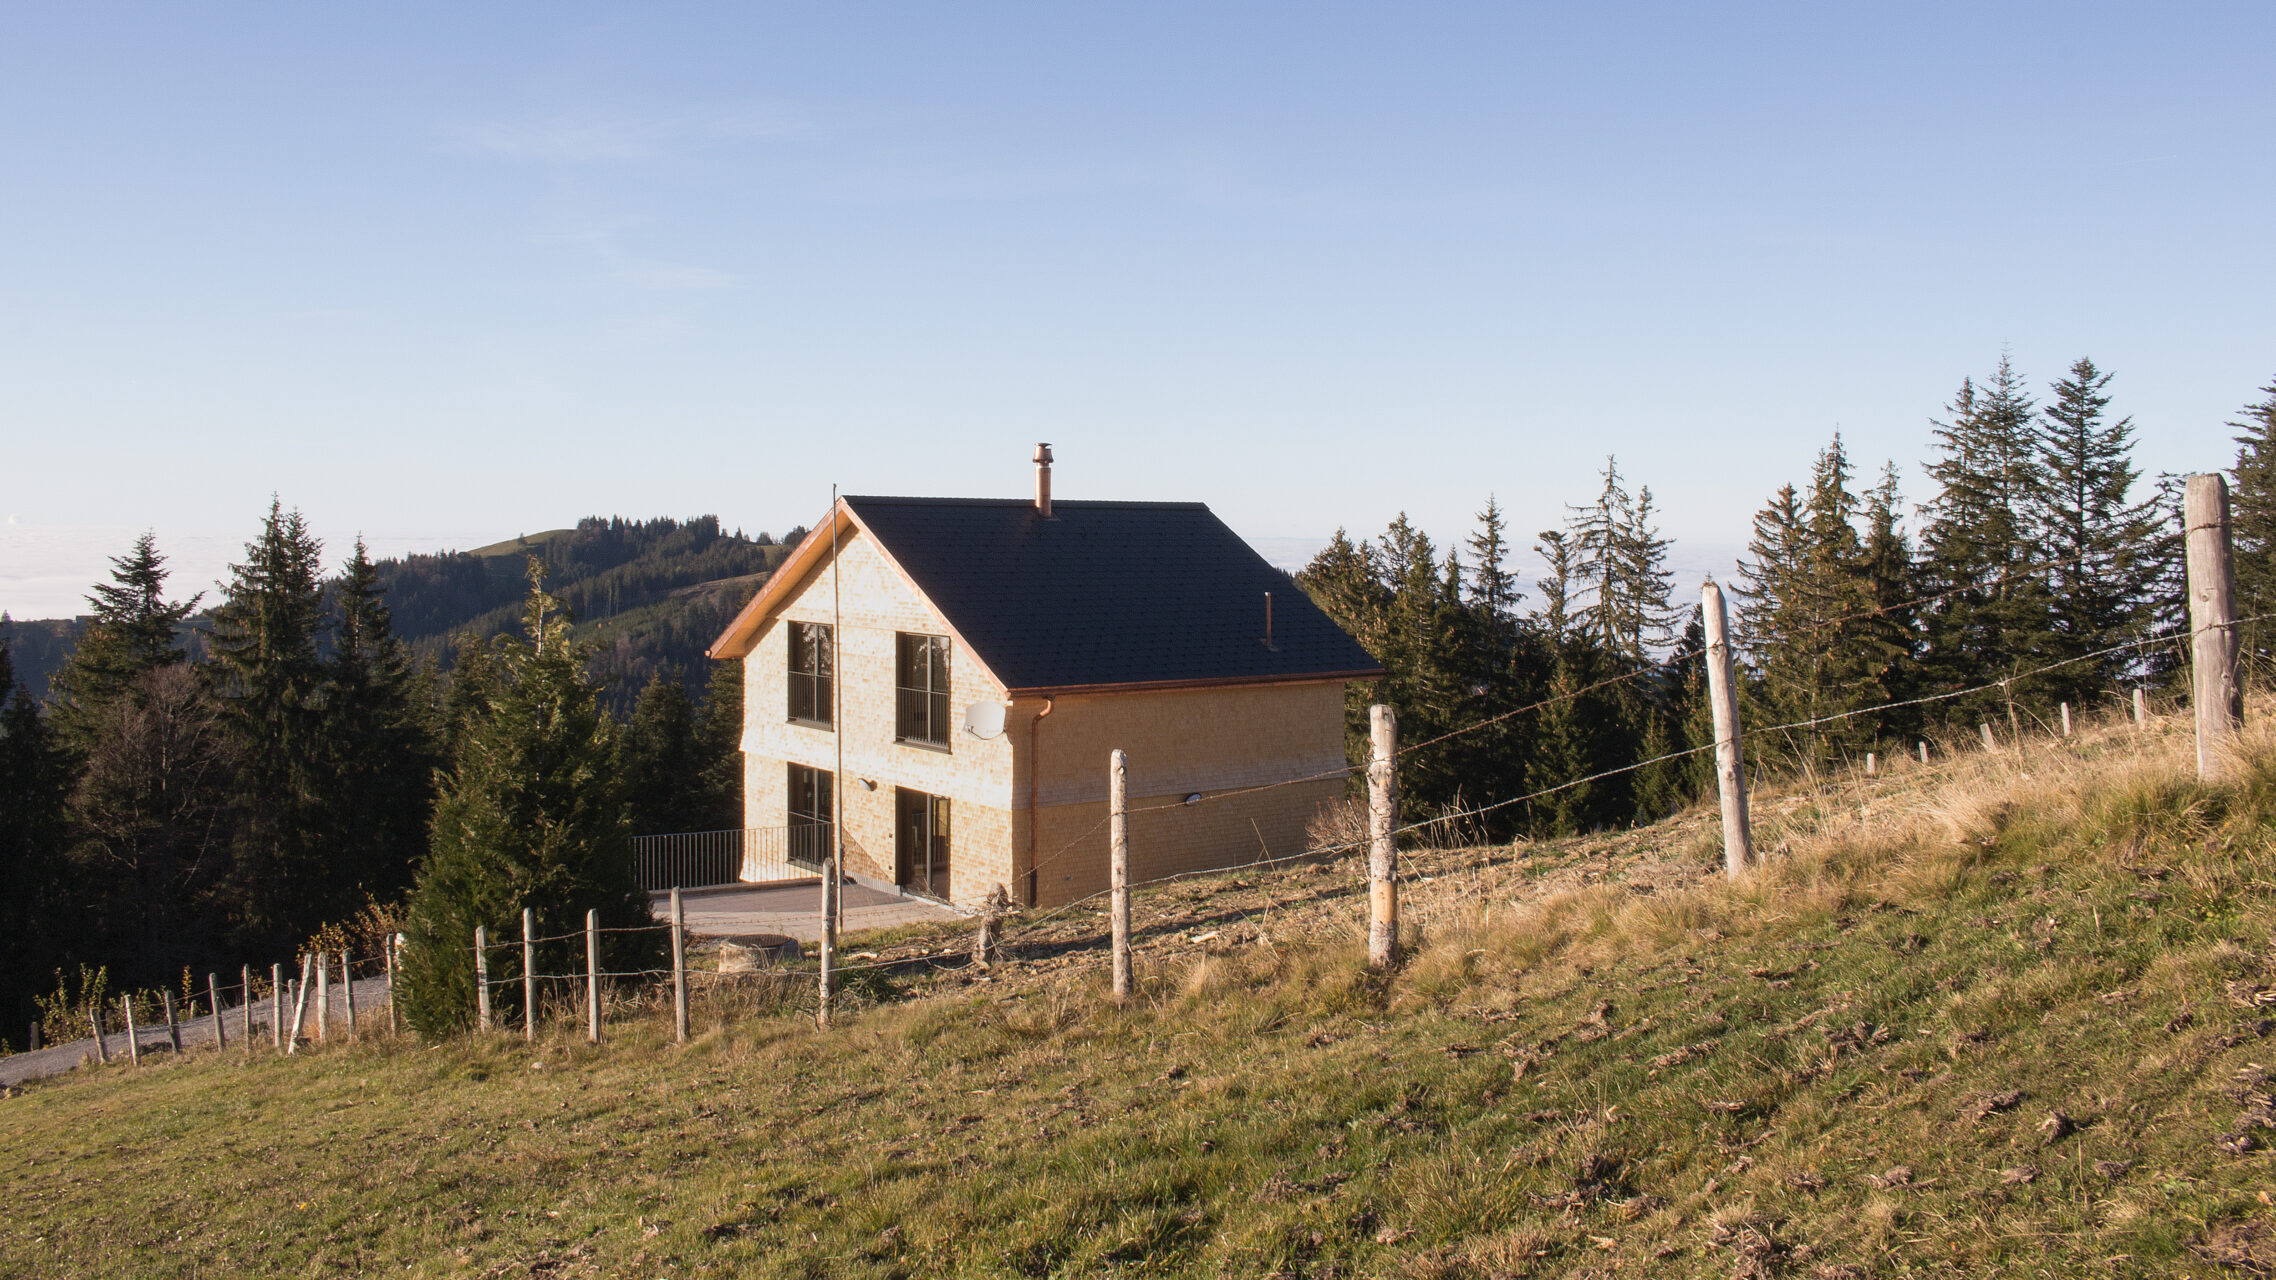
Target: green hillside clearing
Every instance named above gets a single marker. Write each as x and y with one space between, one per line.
1998 1016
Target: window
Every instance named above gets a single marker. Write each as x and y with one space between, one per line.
813 667
810 816
921 840
922 715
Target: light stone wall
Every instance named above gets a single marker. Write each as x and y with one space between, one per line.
1178 742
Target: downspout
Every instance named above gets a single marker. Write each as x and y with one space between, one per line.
1034 779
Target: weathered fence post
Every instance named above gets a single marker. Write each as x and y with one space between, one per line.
276 1004
481 977
299 1006
348 988
827 951
679 970
1872 764
2066 719
992 911
593 976
213 1001
1382 838
32 1038
173 1028
394 953
1723 698
245 1011
2141 709
323 996
2215 690
95 1020
1924 751
529 975
133 1035
1118 866
1990 743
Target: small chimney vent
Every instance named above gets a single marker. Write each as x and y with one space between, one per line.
1043 481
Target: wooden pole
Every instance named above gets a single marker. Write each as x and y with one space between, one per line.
173 1027
1990 743
32 1038
2066 719
323 997
245 1011
593 976
828 950
95 1020
1382 840
394 949
299 1007
2215 690
481 977
276 1004
1723 698
133 1037
2141 709
1924 751
348 989
213 1001
1872 764
1118 866
529 975
679 970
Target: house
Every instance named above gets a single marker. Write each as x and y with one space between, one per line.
976 660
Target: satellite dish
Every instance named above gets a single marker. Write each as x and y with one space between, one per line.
984 719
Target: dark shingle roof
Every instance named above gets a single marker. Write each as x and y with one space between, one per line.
1107 593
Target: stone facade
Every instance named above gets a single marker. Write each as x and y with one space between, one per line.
1179 742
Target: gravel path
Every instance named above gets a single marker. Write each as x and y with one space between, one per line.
371 1009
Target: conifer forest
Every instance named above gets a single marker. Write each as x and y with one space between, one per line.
333 742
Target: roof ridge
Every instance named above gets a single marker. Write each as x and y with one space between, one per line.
1090 503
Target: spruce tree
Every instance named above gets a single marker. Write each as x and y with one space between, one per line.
131 631
720 729
660 762
268 677
1619 571
2252 524
380 748
33 782
2099 538
528 817
1994 615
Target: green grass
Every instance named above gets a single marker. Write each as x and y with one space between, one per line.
1852 1065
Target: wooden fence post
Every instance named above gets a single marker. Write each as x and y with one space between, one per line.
245 1011
1872 764
2066 719
827 951
1382 838
173 1028
679 970
529 974
133 1036
299 1006
1990 743
276 1004
2215 691
95 1020
394 953
593 976
1924 751
481 978
1118 866
32 1038
323 996
1723 697
213 1000
2141 709
348 988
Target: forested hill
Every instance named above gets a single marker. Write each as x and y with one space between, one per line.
653 594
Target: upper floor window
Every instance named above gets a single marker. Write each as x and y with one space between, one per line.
921 714
813 672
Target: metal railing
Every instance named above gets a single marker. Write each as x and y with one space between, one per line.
752 855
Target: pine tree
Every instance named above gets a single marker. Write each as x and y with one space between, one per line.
33 781
528 817
269 680
1493 588
720 728
660 762
1890 637
131 631
2098 538
2252 524
1994 615
1619 571
380 748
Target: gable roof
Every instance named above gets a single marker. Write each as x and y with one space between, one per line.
1105 595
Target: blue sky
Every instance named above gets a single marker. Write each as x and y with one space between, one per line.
442 274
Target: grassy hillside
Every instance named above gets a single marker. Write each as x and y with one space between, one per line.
2002 1015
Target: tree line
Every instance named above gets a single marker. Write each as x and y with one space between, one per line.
2041 545
201 789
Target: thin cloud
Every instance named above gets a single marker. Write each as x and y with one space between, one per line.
589 137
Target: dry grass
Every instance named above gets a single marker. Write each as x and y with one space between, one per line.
1999 1014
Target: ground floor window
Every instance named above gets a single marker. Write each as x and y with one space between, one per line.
921 840
810 816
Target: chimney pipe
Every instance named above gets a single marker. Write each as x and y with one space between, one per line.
1043 481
